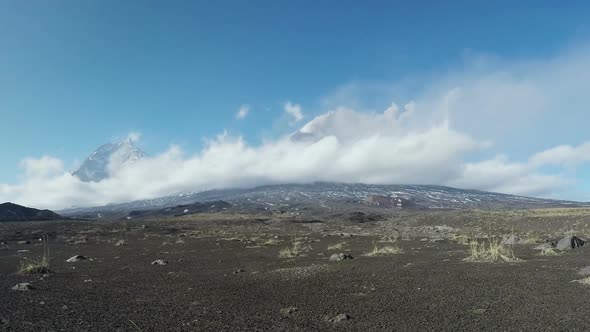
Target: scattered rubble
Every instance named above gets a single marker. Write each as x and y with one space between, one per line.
23 287
160 262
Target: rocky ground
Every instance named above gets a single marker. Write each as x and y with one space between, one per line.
246 272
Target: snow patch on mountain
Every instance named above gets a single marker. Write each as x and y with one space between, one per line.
105 160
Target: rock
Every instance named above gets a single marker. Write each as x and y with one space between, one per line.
585 271
570 242
160 262
24 242
23 287
510 239
75 258
340 318
545 246
340 257
239 271
81 241
288 311
121 243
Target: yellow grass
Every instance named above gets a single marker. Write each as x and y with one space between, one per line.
384 251
337 246
294 250
490 250
549 252
39 265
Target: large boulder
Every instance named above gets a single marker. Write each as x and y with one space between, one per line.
570 242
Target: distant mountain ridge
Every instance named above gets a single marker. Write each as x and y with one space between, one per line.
15 212
322 195
95 168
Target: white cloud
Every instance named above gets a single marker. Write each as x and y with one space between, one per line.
242 112
133 136
294 111
442 135
43 167
342 145
564 155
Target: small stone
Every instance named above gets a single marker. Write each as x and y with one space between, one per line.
585 271
340 257
160 262
239 271
22 287
544 246
75 258
24 242
121 243
288 311
340 318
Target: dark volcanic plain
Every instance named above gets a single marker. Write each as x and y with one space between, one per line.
224 273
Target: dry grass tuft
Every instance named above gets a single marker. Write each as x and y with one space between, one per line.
384 251
39 265
490 251
296 249
462 239
532 239
585 281
550 252
271 242
337 246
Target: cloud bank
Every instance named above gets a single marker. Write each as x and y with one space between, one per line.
452 133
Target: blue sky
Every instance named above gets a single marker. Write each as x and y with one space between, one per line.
76 74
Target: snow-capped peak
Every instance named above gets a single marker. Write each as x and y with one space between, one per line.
100 164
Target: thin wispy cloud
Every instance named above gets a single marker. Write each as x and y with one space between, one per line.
242 112
293 111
